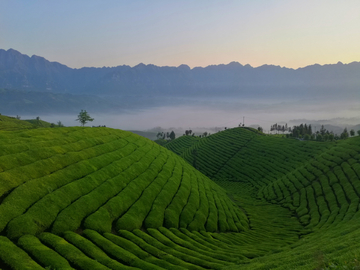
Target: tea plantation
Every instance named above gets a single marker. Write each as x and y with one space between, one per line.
99 198
318 182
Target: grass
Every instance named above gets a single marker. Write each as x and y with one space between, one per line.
12 124
98 198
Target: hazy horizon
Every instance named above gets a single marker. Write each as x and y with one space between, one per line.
228 113
193 67
197 33
286 33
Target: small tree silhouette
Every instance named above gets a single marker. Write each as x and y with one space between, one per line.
84 117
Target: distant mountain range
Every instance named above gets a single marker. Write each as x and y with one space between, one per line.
19 71
35 73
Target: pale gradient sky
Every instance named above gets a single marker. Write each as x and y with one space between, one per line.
197 33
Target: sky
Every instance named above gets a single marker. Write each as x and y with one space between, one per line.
194 32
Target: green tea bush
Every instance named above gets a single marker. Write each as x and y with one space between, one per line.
43 254
70 252
93 251
14 256
118 252
155 218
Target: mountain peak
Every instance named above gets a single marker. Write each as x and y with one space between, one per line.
184 67
234 64
12 51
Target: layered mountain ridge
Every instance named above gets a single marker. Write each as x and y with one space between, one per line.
19 71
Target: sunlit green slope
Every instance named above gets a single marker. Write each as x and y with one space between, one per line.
86 197
98 198
318 182
11 123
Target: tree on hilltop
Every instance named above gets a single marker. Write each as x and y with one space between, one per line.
172 135
84 117
345 134
160 135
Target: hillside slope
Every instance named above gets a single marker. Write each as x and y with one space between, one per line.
319 182
11 123
181 144
99 198
111 195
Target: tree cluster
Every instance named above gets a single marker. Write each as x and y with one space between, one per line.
188 132
305 132
301 130
281 128
167 135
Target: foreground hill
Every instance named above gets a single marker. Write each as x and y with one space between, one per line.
319 182
98 198
107 192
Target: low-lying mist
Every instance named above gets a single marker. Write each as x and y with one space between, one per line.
222 113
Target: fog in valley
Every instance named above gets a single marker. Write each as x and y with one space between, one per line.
213 114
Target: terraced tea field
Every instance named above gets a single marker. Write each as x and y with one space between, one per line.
10 123
98 198
318 182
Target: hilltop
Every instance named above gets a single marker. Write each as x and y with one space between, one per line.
11 123
8 123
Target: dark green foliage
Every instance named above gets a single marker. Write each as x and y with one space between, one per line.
177 251
15 256
141 254
155 251
118 252
43 254
93 251
84 117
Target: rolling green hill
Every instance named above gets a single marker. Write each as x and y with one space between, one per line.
318 182
102 183
11 123
99 198
181 144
